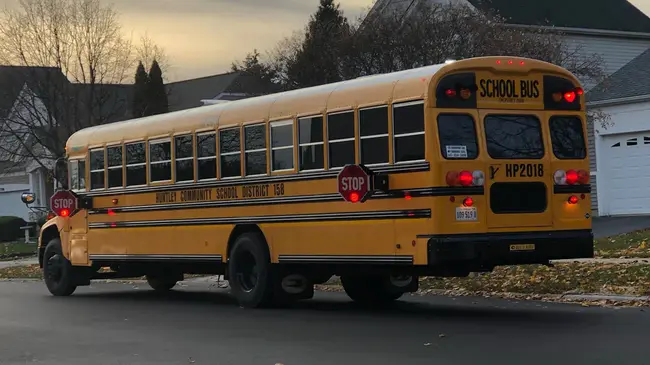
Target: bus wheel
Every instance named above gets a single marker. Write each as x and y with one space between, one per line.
58 273
249 270
370 289
162 282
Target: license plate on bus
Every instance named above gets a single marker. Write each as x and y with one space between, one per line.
523 247
466 214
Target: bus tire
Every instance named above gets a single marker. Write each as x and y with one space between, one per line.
162 282
58 273
251 277
369 289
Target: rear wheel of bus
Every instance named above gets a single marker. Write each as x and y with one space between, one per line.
249 269
58 273
375 289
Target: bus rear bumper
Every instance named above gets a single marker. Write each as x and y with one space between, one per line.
509 248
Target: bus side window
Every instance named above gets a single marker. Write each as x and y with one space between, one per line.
408 128
311 147
255 149
184 158
373 135
282 146
206 150
115 168
136 164
340 137
160 160
230 152
97 172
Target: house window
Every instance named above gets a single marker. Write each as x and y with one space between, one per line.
631 142
230 152
255 149
340 136
97 171
206 150
160 160
136 164
282 146
115 169
408 128
373 135
311 147
184 158
77 175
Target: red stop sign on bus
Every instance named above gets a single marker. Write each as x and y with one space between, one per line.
354 183
63 203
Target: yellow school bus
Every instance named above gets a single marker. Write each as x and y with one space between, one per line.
460 167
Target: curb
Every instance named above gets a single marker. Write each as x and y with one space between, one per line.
618 298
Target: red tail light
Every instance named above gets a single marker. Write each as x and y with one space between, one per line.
571 177
579 91
573 199
450 93
354 197
468 202
465 178
583 177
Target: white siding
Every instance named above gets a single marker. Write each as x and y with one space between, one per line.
616 52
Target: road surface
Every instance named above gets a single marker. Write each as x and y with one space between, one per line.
112 323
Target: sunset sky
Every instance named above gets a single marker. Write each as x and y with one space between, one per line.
203 37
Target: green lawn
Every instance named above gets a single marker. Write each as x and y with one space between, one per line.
633 244
12 250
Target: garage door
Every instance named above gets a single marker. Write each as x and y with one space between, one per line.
627 173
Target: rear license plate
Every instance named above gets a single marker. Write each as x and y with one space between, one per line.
466 214
523 247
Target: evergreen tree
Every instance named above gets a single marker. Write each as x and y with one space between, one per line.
140 91
318 60
156 93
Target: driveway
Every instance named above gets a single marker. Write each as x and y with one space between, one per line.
612 226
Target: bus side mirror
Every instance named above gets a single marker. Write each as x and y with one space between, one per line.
61 173
28 198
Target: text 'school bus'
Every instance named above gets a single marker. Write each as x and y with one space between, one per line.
437 171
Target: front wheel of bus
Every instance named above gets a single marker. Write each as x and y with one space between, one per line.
370 289
249 269
58 272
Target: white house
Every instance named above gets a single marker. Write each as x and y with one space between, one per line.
622 147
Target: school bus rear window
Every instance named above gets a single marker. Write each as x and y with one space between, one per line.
567 137
457 134
514 137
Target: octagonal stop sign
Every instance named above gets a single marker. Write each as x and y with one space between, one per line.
63 203
355 183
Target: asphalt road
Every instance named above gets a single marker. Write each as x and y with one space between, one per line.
127 324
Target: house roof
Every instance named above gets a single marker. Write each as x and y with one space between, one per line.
189 93
631 80
613 15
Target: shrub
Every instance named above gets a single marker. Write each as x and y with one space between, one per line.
10 228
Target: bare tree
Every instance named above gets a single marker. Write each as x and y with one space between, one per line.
70 61
433 33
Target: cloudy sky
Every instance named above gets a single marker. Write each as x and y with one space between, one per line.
203 37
